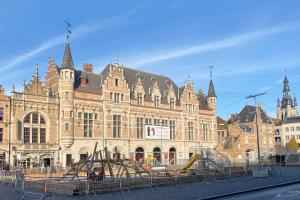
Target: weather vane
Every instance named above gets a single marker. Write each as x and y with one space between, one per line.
68 25
285 71
210 71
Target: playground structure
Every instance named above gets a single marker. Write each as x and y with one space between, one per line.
100 173
95 167
99 166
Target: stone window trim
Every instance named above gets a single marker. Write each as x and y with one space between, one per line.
139 127
156 101
88 124
34 129
116 126
172 103
190 130
140 98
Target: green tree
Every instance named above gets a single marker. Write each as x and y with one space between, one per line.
293 145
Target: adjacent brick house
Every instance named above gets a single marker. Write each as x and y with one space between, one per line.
241 143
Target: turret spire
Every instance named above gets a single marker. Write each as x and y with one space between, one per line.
286 99
211 88
67 62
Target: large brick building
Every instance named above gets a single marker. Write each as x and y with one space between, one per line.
122 109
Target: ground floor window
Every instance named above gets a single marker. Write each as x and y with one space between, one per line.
47 162
139 154
157 154
116 154
172 155
83 156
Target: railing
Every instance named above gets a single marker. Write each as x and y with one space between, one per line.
26 186
214 158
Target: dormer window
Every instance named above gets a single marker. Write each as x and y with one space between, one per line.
140 99
172 103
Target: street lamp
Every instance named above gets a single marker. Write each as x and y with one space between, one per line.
161 141
257 134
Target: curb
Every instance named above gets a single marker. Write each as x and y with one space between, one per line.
252 190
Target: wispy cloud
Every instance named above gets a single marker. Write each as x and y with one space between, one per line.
78 32
212 46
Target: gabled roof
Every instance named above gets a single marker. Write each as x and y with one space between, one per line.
211 90
131 76
67 62
248 115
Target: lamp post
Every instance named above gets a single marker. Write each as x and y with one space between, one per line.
161 141
257 134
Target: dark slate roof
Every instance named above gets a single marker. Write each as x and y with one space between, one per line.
291 120
211 90
93 82
202 100
67 62
131 76
248 115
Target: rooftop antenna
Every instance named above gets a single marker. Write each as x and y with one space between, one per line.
68 26
285 71
257 135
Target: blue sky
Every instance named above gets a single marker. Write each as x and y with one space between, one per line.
249 43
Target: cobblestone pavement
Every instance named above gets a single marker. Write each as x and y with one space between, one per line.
195 191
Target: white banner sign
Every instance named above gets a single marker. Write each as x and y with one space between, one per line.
157 132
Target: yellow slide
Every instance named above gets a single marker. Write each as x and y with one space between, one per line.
190 162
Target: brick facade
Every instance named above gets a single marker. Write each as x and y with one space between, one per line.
62 119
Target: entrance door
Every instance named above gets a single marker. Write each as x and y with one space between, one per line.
47 162
157 154
139 154
172 155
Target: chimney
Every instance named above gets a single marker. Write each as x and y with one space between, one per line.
88 68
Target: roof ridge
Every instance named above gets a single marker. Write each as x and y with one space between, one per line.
133 69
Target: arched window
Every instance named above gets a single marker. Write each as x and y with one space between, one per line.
139 154
157 154
172 155
34 129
